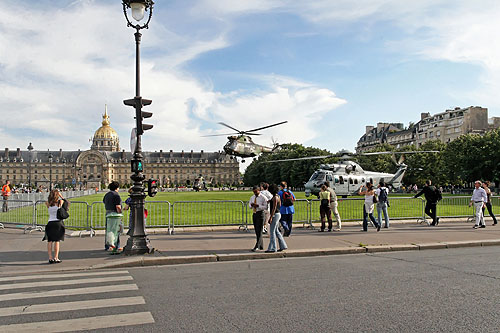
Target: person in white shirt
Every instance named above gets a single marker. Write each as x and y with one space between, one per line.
478 199
269 196
258 203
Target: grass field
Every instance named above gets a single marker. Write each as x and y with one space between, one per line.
228 208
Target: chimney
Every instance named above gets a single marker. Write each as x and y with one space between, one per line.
6 152
18 154
161 153
424 115
123 154
182 153
191 153
369 129
201 154
171 154
60 153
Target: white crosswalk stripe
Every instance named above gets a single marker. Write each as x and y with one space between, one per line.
67 302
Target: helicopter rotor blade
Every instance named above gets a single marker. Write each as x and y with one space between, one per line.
393 158
401 160
261 128
204 136
300 159
234 129
398 152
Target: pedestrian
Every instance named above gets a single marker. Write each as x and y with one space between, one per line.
334 205
267 218
6 191
54 230
478 199
324 208
287 210
382 194
368 206
274 233
432 196
113 204
258 203
486 187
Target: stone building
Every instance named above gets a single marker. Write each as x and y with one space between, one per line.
105 162
445 126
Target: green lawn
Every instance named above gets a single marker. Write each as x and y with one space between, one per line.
228 208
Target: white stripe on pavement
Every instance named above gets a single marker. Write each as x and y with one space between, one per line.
64 282
81 324
52 276
68 292
70 306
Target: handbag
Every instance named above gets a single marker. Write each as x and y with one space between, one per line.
62 214
375 199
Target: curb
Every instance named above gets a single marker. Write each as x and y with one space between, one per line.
179 260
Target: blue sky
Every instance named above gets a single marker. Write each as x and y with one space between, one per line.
328 67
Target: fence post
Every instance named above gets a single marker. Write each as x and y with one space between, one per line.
244 221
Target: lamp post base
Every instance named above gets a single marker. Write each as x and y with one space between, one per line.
138 245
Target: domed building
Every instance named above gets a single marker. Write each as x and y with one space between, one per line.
105 138
104 162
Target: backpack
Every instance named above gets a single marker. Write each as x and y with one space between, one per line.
287 198
437 194
382 197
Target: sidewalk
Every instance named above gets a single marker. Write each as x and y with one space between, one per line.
21 252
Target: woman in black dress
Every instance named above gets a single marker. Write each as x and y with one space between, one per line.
54 230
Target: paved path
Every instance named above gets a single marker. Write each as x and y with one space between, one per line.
26 252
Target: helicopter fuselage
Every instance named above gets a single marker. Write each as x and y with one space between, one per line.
347 177
243 146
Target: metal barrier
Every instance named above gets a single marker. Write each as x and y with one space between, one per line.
20 213
208 213
32 215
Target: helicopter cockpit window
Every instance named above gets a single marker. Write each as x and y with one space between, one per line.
362 180
336 179
341 180
329 177
350 181
355 180
318 176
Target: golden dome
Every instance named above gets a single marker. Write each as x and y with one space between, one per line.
105 131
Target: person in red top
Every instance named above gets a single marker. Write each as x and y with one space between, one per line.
5 196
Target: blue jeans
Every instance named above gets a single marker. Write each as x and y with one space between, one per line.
274 233
382 208
365 219
286 222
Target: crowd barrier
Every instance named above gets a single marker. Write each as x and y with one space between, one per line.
33 215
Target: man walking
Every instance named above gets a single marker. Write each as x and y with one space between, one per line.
5 195
382 193
258 203
431 199
478 199
334 205
287 210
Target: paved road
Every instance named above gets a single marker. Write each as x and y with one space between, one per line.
437 290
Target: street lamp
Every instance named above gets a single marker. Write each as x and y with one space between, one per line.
138 242
64 173
30 149
50 170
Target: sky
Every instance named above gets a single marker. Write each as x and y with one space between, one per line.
329 68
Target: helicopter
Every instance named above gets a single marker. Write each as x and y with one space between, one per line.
240 144
347 176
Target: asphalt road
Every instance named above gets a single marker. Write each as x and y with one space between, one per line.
427 291
453 290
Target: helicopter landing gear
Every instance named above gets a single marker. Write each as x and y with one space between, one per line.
242 161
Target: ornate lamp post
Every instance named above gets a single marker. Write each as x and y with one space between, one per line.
30 149
64 173
138 242
50 170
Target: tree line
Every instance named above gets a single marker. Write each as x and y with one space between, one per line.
468 158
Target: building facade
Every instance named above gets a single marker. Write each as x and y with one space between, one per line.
445 126
104 162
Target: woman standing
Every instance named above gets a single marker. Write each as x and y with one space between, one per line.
54 230
369 194
274 233
486 186
324 208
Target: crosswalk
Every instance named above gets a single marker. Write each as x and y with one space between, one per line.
66 302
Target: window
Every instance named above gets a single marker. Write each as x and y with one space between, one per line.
350 181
